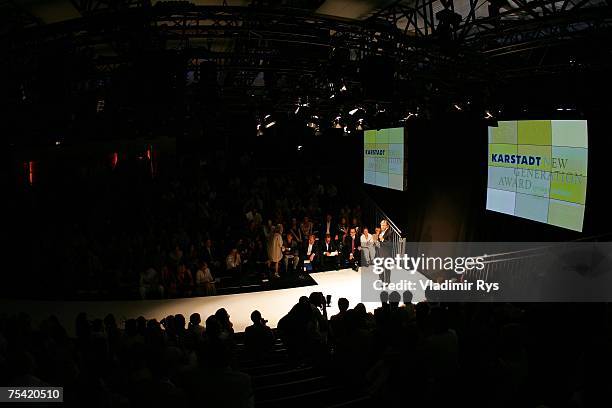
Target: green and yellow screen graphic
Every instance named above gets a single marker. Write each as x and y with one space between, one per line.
383 158
538 170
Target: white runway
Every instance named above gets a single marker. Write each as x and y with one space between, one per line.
273 304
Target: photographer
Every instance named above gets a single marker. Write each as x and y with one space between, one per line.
258 338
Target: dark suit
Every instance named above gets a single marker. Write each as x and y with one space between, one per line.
329 262
351 246
291 255
384 249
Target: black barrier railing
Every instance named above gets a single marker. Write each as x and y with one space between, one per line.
514 269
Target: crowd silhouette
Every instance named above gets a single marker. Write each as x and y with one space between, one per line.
430 354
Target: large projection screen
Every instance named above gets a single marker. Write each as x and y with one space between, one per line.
537 170
383 158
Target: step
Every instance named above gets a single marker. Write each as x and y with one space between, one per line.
290 388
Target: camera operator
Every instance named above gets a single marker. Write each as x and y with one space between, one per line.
258 338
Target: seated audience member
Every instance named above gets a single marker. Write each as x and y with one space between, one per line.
352 249
301 330
184 280
179 326
368 251
310 253
328 227
204 281
168 281
329 254
191 258
259 256
233 263
306 227
342 229
150 284
209 255
194 327
355 224
176 256
375 236
366 318
291 254
254 216
258 337
226 326
296 231
337 324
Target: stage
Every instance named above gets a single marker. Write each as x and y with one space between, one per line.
273 304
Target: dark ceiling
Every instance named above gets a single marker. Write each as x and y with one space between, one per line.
145 60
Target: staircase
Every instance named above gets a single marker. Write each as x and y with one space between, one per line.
279 383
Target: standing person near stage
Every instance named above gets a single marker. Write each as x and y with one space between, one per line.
275 249
385 248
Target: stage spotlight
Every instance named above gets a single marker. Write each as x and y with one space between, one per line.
297 110
353 111
488 115
336 122
269 125
266 117
259 130
360 125
313 122
457 107
332 96
343 88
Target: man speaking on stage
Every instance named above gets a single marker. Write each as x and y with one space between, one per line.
384 248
